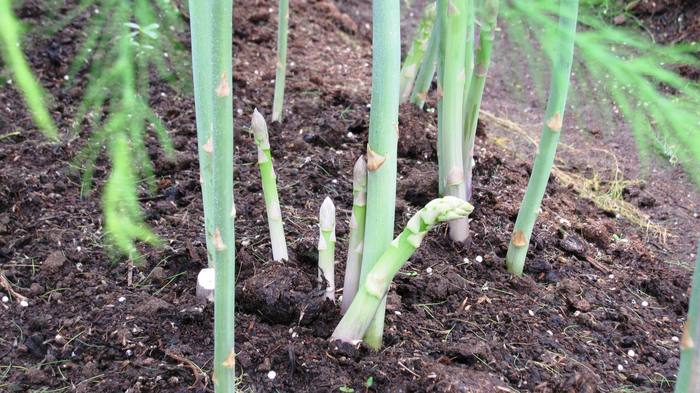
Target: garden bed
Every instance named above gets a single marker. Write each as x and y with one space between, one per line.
599 308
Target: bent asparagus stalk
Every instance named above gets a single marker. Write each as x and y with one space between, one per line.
417 52
476 88
559 88
453 127
326 247
280 76
269 186
688 380
357 233
356 321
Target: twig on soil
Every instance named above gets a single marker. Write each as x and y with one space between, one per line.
196 370
8 287
9 135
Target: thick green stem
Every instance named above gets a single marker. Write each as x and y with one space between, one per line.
269 186
417 52
452 123
357 233
383 139
326 247
211 60
441 17
372 292
31 90
559 88
280 76
688 380
427 68
476 88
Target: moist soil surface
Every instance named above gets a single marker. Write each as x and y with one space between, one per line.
599 309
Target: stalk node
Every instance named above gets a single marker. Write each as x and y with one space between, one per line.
223 90
519 239
374 160
555 123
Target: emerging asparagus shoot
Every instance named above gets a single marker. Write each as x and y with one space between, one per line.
326 247
269 186
357 233
417 52
280 76
688 380
357 319
559 88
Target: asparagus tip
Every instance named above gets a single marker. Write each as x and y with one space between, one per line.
259 126
327 215
359 172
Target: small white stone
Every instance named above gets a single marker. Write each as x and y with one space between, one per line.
245 242
619 367
66 77
550 332
129 352
24 303
429 270
397 312
645 304
630 353
479 258
465 260
334 181
532 314
5 299
122 299
272 375
611 276
577 313
205 284
674 339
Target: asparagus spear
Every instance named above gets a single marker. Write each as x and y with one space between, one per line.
417 52
280 76
269 185
427 67
373 290
326 247
357 233
688 380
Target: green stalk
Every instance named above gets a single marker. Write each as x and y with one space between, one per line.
280 76
31 90
688 380
468 55
382 146
211 61
453 126
269 186
476 88
427 67
559 87
416 53
441 17
373 290
326 247
357 233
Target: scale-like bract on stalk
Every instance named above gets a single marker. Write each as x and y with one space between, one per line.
383 143
357 233
12 55
452 129
281 67
356 321
417 52
688 380
269 186
554 116
476 88
212 34
326 247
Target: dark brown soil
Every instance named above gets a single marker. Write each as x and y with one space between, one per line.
591 314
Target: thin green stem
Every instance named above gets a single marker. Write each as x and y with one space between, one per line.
688 380
417 52
31 90
269 186
280 76
427 68
212 33
382 146
357 233
441 16
559 88
476 88
452 113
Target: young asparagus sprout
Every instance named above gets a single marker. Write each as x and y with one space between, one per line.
452 106
326 247
280 76
417 52
688 380
269 185
358 317
536 187
357 233
427 68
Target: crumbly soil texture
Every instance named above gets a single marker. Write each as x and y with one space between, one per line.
599 309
